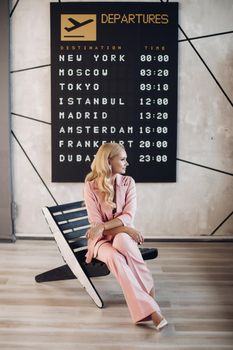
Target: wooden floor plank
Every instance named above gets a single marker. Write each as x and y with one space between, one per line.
194 287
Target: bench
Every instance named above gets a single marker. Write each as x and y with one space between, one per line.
68 224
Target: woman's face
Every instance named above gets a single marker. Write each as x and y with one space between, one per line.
119 163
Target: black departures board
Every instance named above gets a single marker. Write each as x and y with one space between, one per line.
114 79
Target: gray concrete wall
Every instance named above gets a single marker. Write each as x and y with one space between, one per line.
6 229
201 199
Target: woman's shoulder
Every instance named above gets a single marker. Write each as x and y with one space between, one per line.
91 184
125 180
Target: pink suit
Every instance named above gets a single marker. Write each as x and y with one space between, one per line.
121 253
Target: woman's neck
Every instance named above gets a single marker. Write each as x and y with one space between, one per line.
113 178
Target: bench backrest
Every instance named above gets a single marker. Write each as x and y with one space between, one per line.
69 223
71 220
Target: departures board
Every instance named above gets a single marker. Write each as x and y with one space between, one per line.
114 79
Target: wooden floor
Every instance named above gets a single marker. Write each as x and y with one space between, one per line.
194 286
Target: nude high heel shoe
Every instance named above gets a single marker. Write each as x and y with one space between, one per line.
162 324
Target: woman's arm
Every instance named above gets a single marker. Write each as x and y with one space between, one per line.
110 228
99 228
114 226
129 208
132 232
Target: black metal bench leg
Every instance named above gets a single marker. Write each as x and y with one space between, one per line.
64 273
59 273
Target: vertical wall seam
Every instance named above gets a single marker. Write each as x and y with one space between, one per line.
30 68
216 81
30 118
37 172
205 167
216 229
206 36
12 11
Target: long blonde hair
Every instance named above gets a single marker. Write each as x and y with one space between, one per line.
101 169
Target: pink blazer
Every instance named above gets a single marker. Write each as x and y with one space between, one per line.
99 212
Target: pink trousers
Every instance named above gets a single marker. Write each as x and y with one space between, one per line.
125 261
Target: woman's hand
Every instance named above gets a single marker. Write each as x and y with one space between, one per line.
135 235
95 231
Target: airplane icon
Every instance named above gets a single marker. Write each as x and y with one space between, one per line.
77 24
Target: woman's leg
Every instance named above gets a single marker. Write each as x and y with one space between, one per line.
141 305
152 292
129 248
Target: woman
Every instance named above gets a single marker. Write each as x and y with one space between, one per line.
110 199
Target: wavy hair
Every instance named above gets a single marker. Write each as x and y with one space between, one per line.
101 170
